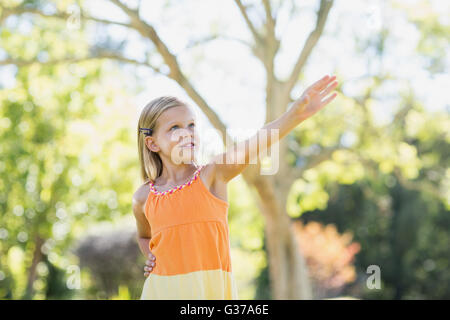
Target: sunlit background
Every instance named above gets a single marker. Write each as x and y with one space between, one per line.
74 79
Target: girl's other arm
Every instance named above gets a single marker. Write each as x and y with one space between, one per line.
144 232
232 162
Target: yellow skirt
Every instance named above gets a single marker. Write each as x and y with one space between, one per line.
199 285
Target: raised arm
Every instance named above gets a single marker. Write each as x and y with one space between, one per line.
233 161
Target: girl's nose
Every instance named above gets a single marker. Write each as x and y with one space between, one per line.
181 134
186 133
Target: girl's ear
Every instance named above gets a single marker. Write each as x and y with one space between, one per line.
151 145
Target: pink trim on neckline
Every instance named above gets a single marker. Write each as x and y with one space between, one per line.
181 186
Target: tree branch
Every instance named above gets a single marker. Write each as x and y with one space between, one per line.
194 43
270 20
58 15
315 160
250 25
102 54
313 38
270 49
132 13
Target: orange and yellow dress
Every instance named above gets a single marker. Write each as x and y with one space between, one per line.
190 241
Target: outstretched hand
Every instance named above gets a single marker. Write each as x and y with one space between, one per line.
311 100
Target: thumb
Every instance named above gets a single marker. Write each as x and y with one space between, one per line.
306 99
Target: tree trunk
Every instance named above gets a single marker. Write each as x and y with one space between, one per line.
37 257
289 278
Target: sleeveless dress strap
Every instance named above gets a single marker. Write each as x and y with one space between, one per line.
172 190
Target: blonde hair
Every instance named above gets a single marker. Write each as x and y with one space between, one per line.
151 163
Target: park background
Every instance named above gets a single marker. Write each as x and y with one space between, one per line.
363 184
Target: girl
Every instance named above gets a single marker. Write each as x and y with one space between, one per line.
181 210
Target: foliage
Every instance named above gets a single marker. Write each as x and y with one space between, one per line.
329 256
60 128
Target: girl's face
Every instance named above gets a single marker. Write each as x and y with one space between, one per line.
174 134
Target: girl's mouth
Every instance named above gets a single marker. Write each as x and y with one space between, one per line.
189 145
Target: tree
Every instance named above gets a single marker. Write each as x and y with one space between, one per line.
45 137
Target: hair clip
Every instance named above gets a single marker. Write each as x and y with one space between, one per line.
148 133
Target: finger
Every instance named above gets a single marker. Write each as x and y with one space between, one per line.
317 82
151 256
329 89
306 99
146 274
328 100
150 263
322 83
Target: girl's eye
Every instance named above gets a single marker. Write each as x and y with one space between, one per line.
192 124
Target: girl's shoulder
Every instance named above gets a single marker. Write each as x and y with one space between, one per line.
141 194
